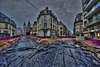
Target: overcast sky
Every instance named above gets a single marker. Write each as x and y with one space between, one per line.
21 11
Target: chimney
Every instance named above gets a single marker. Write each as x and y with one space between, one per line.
46 8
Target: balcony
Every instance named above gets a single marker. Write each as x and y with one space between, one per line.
84 13
88 4
96 19
93 21
94 10
84 1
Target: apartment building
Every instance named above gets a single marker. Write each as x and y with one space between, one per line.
78 25
47 23
34 29
91 14
62 30
7 26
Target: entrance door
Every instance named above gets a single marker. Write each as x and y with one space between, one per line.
45 33
92 34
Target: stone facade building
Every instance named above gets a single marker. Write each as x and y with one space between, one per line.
91 15
47 23
7 26
34 29
78 25
62 30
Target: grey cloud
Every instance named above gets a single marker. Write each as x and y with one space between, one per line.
22 11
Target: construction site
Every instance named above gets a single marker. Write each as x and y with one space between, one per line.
28 51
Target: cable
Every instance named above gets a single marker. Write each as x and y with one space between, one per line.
32 5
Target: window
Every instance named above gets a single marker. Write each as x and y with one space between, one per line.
77 18
6 26
60 27
61 32
51 19
45 25
51 25
0 18
6 19
81 17
45 18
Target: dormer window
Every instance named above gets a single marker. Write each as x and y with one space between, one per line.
6 19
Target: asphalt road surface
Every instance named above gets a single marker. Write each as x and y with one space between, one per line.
57 54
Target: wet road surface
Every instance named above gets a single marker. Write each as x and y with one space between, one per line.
57 54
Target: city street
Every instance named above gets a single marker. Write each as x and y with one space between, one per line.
28 53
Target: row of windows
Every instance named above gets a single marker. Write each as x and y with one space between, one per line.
4 35
53 26
45 19
53 20
45 26
79 18
7 20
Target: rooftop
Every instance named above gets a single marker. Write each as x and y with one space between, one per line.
47 12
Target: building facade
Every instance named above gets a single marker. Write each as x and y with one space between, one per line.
47 23
78 25
91 14
34 29
19 31
27 28
62 30
7 26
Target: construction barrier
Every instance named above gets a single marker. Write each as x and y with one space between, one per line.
41 36
7 38
57 36
93 40
66 36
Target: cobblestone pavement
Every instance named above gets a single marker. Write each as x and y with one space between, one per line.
57 54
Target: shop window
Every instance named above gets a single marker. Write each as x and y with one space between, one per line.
98 34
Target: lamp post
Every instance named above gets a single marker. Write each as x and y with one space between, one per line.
10 26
